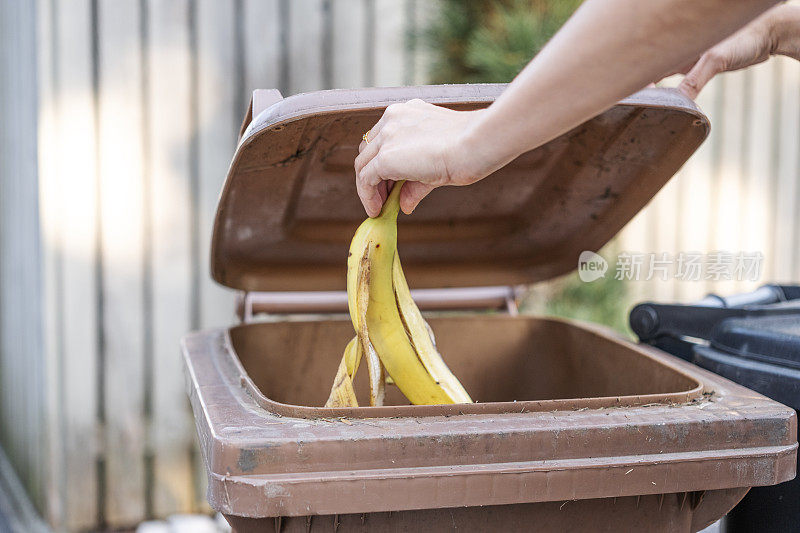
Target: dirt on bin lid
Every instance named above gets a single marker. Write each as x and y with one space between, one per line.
289 207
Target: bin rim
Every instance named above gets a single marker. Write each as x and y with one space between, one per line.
733 438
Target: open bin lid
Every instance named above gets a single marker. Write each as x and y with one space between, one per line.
289 206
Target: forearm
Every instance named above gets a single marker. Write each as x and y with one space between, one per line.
606 51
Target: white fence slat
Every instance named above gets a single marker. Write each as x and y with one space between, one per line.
48 216
757 185
75 186
664 226
169 139
50 221
262 45
787 200
349 43
390 42
217 133
729 179
121 188
305 46
425 13
695 203
21 347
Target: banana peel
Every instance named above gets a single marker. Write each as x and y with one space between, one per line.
343 393
377 380
393 337
421 336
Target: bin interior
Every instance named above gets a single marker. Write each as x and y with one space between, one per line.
498 358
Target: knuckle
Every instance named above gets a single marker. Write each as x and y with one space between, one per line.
378 163
360 179
392 110
389 129
359 162
690 81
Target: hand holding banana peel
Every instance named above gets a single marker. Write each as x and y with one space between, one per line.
391 333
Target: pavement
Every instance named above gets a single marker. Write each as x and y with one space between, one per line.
186 523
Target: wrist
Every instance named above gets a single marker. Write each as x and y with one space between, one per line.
784 30
482 147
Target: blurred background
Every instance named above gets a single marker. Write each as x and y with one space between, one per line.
119 119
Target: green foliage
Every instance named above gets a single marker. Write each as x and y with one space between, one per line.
491 41
604 301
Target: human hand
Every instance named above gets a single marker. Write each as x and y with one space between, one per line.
777 31
428 146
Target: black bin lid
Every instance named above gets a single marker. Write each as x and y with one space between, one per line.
774 339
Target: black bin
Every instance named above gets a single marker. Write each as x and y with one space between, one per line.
754 340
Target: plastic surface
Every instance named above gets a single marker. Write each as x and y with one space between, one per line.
508 364
779 382
676 328
289 207
754 340
656 513
764 355
649 456
774 340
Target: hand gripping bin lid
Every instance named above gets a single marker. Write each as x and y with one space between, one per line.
573 426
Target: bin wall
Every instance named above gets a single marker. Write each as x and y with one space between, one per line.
139 107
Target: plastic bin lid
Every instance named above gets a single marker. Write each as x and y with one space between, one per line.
773 340
289 207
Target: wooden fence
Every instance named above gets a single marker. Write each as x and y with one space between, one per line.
139 105
739 193
141 101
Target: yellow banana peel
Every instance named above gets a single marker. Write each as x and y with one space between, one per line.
391 332
343 393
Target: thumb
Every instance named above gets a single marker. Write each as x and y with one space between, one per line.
412 194
708 66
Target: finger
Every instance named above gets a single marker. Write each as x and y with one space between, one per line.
383 190
367 182
412 194
370 150
699 75
373 132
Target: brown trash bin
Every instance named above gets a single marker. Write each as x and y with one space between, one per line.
573 426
